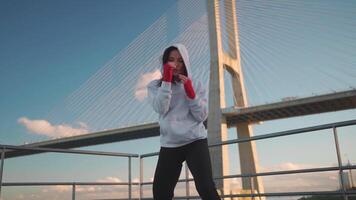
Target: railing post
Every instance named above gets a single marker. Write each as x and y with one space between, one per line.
187 191
141 178
130 181
2 168
339 161
252 187
73 191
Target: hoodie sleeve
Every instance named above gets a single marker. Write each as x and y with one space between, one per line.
159 97
199 106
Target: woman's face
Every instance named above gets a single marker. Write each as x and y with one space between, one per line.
176 59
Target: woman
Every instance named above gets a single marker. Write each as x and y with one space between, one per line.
182 110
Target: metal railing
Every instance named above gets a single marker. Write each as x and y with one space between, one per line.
73 184
343 192
340 168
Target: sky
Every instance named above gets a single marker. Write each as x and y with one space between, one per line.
65 64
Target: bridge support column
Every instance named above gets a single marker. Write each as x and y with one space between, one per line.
217 128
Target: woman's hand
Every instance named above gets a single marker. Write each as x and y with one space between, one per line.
168 71
188 86
182 78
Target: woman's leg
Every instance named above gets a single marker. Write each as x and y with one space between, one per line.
167 173
198 160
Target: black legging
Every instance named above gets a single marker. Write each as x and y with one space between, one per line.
169 166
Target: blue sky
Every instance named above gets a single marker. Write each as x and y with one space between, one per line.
50 50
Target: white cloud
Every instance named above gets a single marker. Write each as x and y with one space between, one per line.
95 191
43 127
323 181
87 189
110 179
235 183
301 181
58 188
142 82
287 166
68 188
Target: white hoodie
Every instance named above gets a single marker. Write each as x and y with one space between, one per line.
180 118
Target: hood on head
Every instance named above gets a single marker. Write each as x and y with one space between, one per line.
184 53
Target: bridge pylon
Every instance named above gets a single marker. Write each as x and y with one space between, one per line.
217 126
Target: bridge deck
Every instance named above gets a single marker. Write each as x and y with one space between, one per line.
292 108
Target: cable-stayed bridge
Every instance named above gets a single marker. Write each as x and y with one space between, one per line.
292 64
285 53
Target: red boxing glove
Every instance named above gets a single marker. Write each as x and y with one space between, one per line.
167 73
188 87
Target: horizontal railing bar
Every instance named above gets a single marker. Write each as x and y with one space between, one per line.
53 150
348 167
64 183
286 172
285 133
150 154
316 193
149 183
118 199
